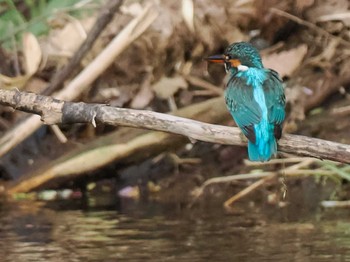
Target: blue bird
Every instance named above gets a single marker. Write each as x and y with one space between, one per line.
255 98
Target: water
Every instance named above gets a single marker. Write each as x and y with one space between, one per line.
31 231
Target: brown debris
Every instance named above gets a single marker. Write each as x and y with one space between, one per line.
307 43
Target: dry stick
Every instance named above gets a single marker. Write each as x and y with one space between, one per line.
248 190
275 161
59 134
204 84
227 179
106 15
269 176
122 41
332 17
333 203
312 26
54 111
204 93
304 163
341 111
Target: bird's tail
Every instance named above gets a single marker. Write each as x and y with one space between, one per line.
262 150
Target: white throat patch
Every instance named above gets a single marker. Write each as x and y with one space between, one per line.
242 68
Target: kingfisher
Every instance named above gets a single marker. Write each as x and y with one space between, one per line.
255 97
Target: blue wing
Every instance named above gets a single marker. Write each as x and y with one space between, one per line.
275 100
242 105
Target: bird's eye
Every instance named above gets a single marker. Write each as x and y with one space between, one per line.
227 57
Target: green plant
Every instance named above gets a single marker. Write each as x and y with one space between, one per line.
13 22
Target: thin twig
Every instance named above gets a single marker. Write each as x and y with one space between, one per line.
330 203
312 26
204 84
336 16
248 190
15 52
204 93
276 161
198 192
106 15
225 179
304 163
59 134
341 111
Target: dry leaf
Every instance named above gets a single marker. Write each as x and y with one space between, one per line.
65 41
167 87
32 57
32 53
286 62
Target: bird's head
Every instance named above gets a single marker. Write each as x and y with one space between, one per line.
238 57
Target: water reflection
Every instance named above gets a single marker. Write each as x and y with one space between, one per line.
153 232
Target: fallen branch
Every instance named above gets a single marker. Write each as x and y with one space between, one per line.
54 111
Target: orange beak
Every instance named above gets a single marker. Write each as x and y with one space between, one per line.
219 59
222 59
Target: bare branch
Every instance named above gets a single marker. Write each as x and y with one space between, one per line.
54 111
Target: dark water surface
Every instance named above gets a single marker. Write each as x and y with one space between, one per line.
153 232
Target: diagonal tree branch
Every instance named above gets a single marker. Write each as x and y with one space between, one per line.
106 15
54 111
